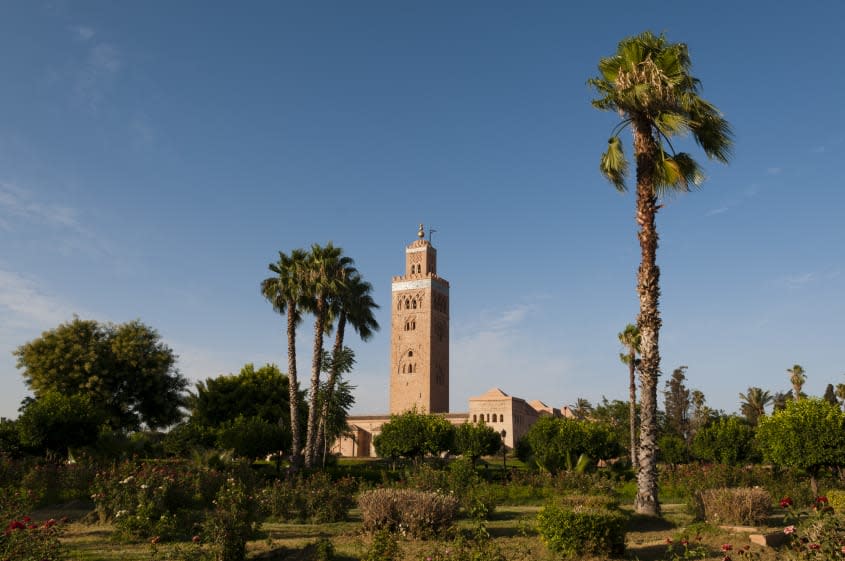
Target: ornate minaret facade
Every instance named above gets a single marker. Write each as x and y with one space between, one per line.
419 358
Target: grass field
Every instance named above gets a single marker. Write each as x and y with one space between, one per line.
511 529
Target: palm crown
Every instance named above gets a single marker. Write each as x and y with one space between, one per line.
648 82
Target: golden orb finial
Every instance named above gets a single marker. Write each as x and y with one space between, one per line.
421 232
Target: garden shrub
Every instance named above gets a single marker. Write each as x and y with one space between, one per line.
154 499
56 483
27 540
418 514
743 505
461 480
316 499
578 532
836 499
589 502
818 537
384 547
233 521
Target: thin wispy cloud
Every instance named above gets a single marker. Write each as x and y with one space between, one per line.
102 64
774 171
500 351
82 32
716 211
24 305
799 280
17 203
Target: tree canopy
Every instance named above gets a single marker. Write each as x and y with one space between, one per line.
413 435
808 434
125 370
556 443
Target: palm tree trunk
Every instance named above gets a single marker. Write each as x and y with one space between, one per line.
330 383
648 321
293 387
632 406
316 365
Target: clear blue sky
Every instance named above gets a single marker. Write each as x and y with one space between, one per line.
155 157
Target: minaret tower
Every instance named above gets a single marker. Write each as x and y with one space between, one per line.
419 339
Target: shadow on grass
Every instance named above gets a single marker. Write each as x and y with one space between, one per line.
642 523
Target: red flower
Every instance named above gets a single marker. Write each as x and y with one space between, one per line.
27 519
727 547
785 502
814 546
684 542
16 525
195 539
669 541
821 499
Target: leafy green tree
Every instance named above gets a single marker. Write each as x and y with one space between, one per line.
556 443
673 449
614 415
808 434
56 422
261 393
413 435
701 413
286 292
728 440
473 440
830 395
125 370
253 437
10 440
649 84
676 400
630 340
753 405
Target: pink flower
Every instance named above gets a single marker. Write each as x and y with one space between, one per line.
195 539
789 530
814 546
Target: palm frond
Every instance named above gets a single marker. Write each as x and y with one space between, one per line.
710 130
678 172
613 164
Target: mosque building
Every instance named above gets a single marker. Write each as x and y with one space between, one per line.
419 362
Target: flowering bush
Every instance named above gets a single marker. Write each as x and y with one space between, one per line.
154 499
316 499
233 522
26 540
817 534
416 513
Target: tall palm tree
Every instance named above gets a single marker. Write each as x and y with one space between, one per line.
630 339
353 305
326 269
797 377
840 393
648 83
286 292
754 402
